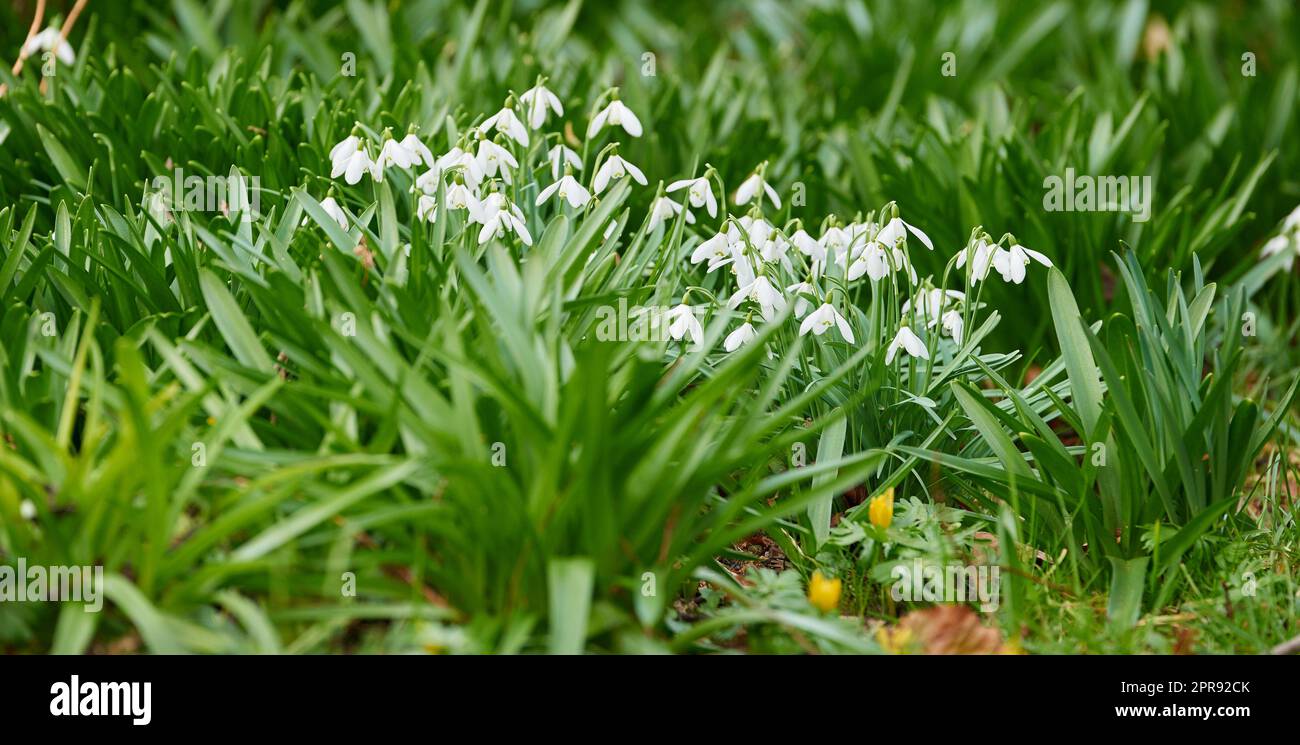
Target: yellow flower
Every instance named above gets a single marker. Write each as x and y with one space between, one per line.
895 641
824 593
881 510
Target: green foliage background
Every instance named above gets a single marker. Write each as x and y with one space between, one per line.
168 335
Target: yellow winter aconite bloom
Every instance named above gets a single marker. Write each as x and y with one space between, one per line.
895 641
824 593
881 510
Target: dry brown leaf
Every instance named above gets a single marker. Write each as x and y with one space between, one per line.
944 629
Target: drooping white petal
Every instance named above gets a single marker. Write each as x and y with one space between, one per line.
597 123
748 188
771 194
1041 259
925 239
953 325
546 193
636 173
843 326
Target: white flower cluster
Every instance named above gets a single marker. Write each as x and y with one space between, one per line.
1010 262
487 158
499 152
757 253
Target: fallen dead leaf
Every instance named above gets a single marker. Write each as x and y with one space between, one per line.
944 629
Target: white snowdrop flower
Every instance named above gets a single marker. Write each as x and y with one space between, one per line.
426 208
895 232
744 229
823 318
615 168
929 304
665 209
1292 222
717 250
1278 244
771 245
428 181
490 205
835 240
354 167
808 245
776 248
1286 241
609 229
835 249
349 159
1011 262
419 151
505 122
761 291
27 508
499 218
700 193
493 159
873 262
876 262
536 101
569 189
158 204
801 291
460 196
908 342
741 267
859 235
466 163
50 40
751 186
560 156
340 153
981 260
333 209
394 153
751 230
615 114
682 322
501 223
952 325
743 334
